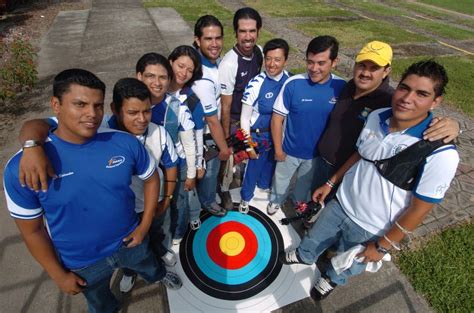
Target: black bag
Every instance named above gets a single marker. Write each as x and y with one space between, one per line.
402 169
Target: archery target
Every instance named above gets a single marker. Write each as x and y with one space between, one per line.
232 257
230 264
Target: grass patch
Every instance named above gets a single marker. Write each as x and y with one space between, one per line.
462 6
301 8
444 30
459 91
442 270
355 33
374 8
192 10
433 13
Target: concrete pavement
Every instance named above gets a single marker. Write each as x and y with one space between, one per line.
108 39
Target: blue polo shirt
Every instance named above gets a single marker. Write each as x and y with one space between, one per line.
89 208
306 106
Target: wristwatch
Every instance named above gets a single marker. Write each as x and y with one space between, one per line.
30 143
380 249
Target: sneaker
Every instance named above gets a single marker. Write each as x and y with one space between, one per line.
267 190
272 208
171 281
217 210
127 282
177 241
244 207
322 288
169 258
290 257
195 224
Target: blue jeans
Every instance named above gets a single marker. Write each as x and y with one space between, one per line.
139 259
185 206
207 185
334 227
283 173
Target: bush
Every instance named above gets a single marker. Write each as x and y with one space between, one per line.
18 72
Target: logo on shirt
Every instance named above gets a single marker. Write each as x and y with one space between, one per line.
242 74
364 113
398 148
333 100
306 100
115 161
440 190
269 95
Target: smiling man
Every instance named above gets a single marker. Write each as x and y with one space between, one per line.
242 63
305 102
81 257
372 213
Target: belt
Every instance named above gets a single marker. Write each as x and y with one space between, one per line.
260 130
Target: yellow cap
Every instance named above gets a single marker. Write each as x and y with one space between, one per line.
376 51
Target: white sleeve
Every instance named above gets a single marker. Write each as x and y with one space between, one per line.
281 105
245 116
199 147
227 73
189 146
205 90
434 182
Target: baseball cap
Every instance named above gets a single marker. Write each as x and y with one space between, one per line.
376 51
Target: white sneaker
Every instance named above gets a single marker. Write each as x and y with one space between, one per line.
169 258
177 241
127 282
244 207
272 208
195 224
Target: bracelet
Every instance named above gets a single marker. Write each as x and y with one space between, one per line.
168 196
395 245
171 181
404 230
330 184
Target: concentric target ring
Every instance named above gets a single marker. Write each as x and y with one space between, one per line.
233 257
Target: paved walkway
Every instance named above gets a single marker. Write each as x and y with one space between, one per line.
108 39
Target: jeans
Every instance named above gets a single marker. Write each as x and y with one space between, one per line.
98 275
334 227
207 185
322 172
283 173
185 206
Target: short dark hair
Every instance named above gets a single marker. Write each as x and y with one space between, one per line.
323 43
126 88
66 78
153 58
247 13
206 21
432 70
276 43
193 55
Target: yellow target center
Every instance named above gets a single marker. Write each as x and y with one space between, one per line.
232 243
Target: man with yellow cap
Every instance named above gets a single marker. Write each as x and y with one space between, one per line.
368 90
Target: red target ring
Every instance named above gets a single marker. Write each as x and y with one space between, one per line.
236 261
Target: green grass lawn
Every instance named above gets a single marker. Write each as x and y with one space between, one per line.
432 13
374 7
460 91
355 33
302 8
444 30
462 6
443 269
